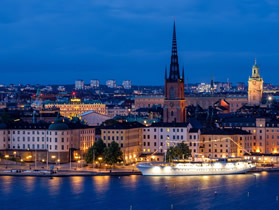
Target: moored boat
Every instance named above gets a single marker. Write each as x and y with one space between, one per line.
220 166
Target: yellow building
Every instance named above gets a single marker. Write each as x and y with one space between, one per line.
223 143
76 108
255 87
128 136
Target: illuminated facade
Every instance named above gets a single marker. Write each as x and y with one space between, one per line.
149 101
221 143
265 133
255 87
45 139
76 108
159 137
128 136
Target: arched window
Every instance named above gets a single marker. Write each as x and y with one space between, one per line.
171 113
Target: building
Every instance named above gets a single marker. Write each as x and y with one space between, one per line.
240 86
149 101
111 83
255 86
79 84
52 142
113 111
92 118
174 106
221 143
127 84
94 83
128 136
76 107
236 101
159 137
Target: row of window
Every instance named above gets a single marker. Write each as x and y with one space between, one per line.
32 146
168 129
162 137
33 139
112 131
155 150
34 132
112 138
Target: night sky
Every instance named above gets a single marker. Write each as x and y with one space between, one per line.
59 41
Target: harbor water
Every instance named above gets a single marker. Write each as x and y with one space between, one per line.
246 191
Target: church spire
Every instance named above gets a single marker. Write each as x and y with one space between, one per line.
166 72
174 66
174 44
183 73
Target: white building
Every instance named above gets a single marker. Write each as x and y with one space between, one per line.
158 137
79 84
56 139
127 84
94 83
111 83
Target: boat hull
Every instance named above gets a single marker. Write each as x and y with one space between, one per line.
151 170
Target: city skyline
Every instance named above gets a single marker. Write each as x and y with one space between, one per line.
107 40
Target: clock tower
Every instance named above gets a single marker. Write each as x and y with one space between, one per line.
174 106
255 87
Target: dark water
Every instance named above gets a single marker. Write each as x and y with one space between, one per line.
251 191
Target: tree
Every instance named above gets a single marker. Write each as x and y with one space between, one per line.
180 151
113 154
98 148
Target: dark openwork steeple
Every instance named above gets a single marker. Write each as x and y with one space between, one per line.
174 66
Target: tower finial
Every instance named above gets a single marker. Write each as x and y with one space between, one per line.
255 61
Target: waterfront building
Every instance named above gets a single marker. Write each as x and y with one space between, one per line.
174 104
111 83
221 143
94 83
46 141
255 86
264 131
159 137
76 107
128 135
79 84
127 84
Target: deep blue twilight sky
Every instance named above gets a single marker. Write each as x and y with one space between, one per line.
58 41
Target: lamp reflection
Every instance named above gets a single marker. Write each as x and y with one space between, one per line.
77 184
101 183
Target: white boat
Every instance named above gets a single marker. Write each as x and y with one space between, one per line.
186 168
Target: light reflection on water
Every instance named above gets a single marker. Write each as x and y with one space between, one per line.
30 183
77 184
6 184
101 183
105 192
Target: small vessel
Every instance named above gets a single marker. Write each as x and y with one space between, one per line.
218 166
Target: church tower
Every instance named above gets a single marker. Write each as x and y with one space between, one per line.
174 106
255 86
